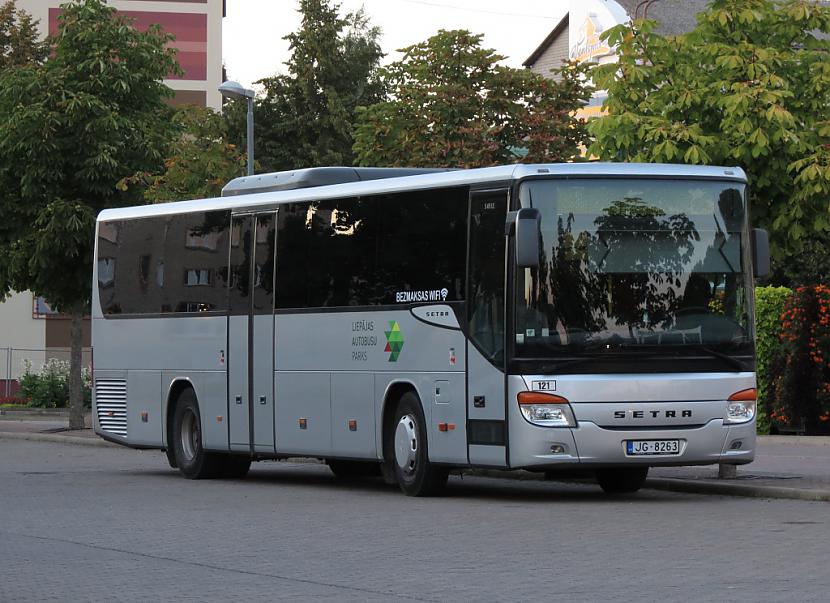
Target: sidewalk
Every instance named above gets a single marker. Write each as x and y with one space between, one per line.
46 426
795 467
784 467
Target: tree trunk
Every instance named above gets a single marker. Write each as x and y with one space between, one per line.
76 392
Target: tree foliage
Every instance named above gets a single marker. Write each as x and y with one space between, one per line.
304 118
749 86
452 104
70 129
199 163
19 39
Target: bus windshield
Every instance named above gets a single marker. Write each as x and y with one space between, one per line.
635 263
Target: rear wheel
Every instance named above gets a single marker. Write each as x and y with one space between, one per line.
191 458
622 481
353 469
406 448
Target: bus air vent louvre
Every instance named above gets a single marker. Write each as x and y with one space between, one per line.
111 405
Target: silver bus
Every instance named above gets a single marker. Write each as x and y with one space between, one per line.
409 323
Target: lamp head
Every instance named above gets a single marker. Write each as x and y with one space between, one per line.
231 89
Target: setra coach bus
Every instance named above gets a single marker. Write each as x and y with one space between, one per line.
410 322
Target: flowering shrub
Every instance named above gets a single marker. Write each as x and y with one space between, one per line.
49 387
799 373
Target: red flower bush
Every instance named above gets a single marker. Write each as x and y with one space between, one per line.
800 377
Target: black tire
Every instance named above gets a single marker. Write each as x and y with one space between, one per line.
235 466
191 458
353 469
171 454
622 481
405 448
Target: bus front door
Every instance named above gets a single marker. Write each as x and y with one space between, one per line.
486 418
251 334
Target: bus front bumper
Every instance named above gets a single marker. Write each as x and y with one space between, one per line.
595 446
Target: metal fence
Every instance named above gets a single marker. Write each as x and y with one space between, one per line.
14 363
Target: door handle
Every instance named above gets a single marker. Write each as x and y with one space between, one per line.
239 399
262 399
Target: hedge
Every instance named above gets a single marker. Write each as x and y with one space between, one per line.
769 305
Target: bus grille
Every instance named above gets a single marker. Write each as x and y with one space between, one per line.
111 404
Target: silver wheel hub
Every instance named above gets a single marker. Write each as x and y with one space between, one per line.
190 436
406 443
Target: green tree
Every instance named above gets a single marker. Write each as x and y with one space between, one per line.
452 104
304 118
749 86
70 130
19 40
200 161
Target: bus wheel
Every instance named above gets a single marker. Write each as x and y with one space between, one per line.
353 469
193 461
406 445
622 481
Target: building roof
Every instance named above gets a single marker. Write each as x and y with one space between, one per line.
561 27
673 17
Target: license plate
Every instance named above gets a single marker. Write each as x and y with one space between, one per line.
648 447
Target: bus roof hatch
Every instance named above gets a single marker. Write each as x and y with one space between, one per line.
317 176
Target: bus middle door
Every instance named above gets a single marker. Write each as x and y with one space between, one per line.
251 334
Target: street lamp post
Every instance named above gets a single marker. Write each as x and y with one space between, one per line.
235 90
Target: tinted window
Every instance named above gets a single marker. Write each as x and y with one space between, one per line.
421 246
373 250
487 217
240 264
252 236
164 264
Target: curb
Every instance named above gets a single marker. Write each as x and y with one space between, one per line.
800 440
710 487
54 438
689 486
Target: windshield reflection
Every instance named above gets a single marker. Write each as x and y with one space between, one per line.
634 263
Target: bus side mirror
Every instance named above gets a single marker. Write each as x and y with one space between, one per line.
528 230
760 252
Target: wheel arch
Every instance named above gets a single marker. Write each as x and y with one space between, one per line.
394 391
174 390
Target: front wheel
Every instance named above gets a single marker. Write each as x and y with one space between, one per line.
622 481
406 448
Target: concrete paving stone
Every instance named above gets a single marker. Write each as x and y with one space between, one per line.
83 523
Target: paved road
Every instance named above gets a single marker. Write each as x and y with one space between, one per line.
84 523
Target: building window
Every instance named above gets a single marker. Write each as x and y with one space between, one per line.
106 272
198 277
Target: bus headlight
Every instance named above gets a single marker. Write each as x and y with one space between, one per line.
546 410
740 407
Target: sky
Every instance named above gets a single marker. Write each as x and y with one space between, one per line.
252 31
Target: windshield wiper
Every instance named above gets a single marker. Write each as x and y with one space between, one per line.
618 350
733 362
602 356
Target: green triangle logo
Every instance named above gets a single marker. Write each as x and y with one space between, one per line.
394 341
